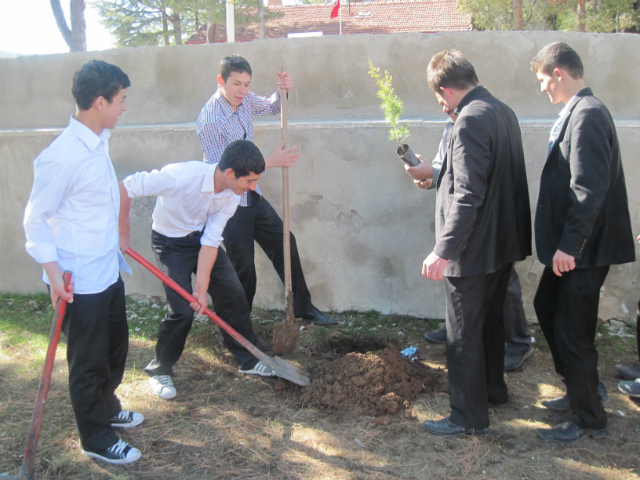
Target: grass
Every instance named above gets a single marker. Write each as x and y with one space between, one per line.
223 425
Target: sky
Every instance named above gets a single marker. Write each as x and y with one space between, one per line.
28 27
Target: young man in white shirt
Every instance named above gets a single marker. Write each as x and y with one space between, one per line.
195 200
71 224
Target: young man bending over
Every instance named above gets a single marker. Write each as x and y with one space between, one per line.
71 224
195 200
227 116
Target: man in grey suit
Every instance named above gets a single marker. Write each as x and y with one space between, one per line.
483 226
582 226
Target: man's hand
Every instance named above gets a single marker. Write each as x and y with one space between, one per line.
202 303
433 267
56 283
425 185
285 81
563 263
420 172
125 241
283 158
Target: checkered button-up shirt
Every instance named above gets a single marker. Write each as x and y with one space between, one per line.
218 125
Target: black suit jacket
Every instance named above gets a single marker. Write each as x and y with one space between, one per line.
582 208
483 219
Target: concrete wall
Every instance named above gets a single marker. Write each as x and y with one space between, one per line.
363 229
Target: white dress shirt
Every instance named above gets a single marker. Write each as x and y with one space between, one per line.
186 200
72 213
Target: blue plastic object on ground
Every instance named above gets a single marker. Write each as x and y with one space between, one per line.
408 352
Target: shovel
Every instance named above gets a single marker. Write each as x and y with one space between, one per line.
285 334
282 368
28 463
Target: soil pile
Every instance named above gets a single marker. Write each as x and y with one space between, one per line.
375 383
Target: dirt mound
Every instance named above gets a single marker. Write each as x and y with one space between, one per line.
377 383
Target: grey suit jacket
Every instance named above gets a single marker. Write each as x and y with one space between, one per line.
483 219
583 209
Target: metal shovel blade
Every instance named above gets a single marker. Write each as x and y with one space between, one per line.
288 371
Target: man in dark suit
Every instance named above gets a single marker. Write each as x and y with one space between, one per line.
483 225
582 226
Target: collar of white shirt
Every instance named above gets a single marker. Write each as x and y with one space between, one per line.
88 137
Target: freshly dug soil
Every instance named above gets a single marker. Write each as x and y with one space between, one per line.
376 383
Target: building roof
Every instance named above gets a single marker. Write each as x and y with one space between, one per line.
381 16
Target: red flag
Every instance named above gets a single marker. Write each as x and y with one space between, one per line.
335 9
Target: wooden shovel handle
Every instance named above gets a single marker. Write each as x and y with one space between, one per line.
288 288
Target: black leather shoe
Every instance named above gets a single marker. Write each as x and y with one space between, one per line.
445 427
437 336
562 404
513 361
569 432
316 317
630 388
630 372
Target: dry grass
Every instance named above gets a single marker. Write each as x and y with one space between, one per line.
226 426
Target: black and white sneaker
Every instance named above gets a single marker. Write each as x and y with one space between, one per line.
117 454
127 419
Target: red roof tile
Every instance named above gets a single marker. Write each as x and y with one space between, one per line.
387 16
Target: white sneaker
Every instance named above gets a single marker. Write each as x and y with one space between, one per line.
118 454
127 419
259 369
163 386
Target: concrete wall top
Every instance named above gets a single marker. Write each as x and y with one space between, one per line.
170 84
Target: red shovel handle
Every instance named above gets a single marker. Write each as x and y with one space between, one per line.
28 465
224 325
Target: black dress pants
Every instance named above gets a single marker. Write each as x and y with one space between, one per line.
567 309
515 321
475 345
97 343
178 259
260 222
638 330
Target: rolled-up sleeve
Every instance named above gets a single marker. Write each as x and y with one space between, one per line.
151 184
264 105
212 235
52 182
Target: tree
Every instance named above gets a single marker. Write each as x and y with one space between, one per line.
137 23
571 15
76 36
517 15
604 16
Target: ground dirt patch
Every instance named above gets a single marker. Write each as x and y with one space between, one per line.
368 379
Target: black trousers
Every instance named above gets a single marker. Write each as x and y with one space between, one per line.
567 309
638 329
178 258
97 344
475 345
261 223
516 327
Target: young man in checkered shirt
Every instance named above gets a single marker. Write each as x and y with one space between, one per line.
226 117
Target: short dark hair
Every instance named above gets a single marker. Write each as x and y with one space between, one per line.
243 157
558 55
451 69
233 63
97 79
